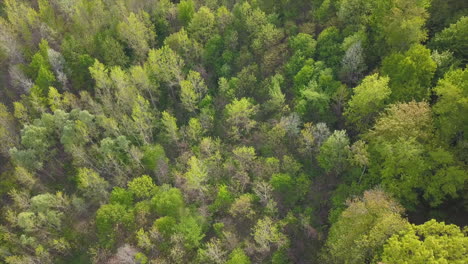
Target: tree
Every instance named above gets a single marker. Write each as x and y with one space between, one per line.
170 127
8 136
406 162
369 99
92 185
186 10
239 114
142 187
363 228
202 25
192 91
452 92
111 220
452 38
353 63
196 175
267 234
334 152
136 30
186 47
165 66
36 141
329 47
168 202
238 256
191 230
433 241
223 200
154 156
410 73
143 119
403 23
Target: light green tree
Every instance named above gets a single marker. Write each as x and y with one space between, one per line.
92 185
431 242
362 229
370 97
334 152
239 117
136 30
452 103
192 91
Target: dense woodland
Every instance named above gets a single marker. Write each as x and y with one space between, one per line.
233 131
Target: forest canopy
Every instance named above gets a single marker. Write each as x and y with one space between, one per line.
233 131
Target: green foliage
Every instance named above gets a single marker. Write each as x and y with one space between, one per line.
191 230
152 156
8 136
239 117
223 200
166 225
362 229
214 131
121 196
329 46
202 25
92 185
168 202
370 97
334 152
192 91
238 256
170 126
136 30
142 187
410 74
452 102
453 38
108 218
433 241
404 160
186 10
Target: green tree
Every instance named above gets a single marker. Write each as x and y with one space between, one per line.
369 99
452 102
196 174
405 161
186 10
92 185
223 199
142 187
453 38
363 228
168 202
432 241
202 25
165 66
153 157
267 234
192 91
186 47
403 23
410 73
191 230
329 47
334 152
8 137
238 256
136 30
111 221
239 117
171 131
